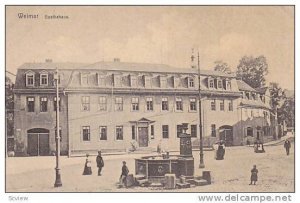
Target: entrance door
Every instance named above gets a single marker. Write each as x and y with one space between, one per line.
38 142
143 136
226 134
32 147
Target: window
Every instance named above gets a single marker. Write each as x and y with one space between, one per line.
84 79
163 81
179 106
119 132
228 85
102 103
149 101
220 85
30 104
147 81
135 103
193 105
117 80
29 79
165 104
133 132
119 104
86 133
191 82
43 104
103 133
213 105
101 80
193 130
179 130
213 130
152 131
133 81
230 105
55 104
44 79
85 103
222 105
211 83
249 131
165 131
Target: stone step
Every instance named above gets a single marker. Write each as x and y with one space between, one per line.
143 182
183 185
140 177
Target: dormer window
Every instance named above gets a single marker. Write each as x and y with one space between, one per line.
211 83
44 79
228 85
133 81
163 81
84 78
30 79
116 80
247 95
220 84
147 81
100 79
191 82
176 81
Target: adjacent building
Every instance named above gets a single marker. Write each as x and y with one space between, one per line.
113 106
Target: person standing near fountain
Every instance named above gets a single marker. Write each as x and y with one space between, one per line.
100 163
124 174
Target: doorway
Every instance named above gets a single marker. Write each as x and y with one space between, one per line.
143 136
38 142
226 134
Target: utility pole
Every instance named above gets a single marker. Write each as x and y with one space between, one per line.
201 165
58 182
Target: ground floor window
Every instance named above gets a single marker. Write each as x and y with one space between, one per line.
193 130
86 133
103 132
179 130
119 132
165 131
249 131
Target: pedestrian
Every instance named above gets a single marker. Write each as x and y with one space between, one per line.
100 163
87 166
254 177
287 146
124 174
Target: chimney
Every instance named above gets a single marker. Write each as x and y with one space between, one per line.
116 59
48 60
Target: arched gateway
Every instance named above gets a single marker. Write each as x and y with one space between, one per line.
38 142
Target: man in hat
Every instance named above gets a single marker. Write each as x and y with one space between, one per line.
124 174
287 146
100 163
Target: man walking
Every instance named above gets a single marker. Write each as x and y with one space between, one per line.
124 174
287 146
100 163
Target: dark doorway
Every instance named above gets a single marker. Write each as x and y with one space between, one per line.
143 136
226 134
38 142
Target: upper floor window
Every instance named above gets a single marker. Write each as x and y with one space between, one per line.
101 79
85 103
30 79
43 104
222 105
213 105
179 105
119 104
84 78
164 104
163 81
44 79
135 103
152 131
220 84
102 103
193 105
230 105
228 85
191 82
211 83
149 101
133 81
30 104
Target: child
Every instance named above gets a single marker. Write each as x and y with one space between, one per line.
100 163
87 167
254 172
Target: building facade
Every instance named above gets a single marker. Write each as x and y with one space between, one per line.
112 106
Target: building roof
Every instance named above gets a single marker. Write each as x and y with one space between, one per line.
243 86
123 66
262 90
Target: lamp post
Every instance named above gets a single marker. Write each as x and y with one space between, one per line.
201 165
58 182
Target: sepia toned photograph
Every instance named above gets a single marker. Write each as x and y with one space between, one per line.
147 99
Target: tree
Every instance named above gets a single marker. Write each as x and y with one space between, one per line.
9 113
277 96
287 112
253 70
222 67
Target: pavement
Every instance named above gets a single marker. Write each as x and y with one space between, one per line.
37 174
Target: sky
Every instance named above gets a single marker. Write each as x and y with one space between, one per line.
164 35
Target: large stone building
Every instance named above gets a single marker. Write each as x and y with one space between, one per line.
114 105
